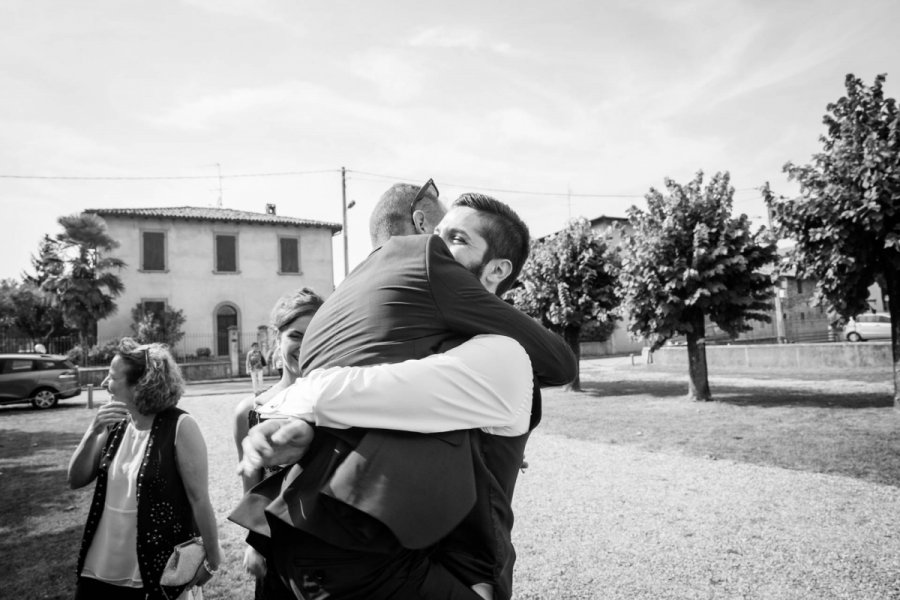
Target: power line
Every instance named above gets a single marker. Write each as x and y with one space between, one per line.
163 177
378 176
500 190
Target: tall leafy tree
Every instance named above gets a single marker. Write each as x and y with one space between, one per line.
38 316
86 286
846 221
688 260
8 287
569 280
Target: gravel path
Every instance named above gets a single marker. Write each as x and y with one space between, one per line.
604 521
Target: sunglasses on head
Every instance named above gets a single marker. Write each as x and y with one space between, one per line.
423 191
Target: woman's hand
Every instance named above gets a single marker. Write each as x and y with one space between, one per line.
254 563
209 568
85 461
108 414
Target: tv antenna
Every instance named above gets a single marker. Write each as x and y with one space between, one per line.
219 168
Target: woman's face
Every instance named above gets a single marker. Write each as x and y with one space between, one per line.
290 339
116 384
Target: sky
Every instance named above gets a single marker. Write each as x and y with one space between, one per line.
561 109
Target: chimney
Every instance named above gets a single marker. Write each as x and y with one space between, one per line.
270 209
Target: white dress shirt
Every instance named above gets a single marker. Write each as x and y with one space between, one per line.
483 383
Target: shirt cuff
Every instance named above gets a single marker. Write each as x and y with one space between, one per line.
295 402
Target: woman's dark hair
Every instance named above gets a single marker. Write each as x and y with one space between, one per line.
152 371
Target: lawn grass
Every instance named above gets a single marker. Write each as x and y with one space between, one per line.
840 422
844 425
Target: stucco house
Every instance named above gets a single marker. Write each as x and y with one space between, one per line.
221 267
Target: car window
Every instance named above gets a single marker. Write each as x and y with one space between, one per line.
864 319
45 365
882 319
17 365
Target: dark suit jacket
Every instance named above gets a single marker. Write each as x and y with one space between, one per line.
408 299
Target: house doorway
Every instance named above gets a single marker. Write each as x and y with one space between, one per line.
226 316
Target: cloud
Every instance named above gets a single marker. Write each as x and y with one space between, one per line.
397 79
266 11
45 148
467 39
293 102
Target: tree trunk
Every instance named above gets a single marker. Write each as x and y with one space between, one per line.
698 375
892 279
571 335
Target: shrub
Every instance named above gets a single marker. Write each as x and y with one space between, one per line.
103 355
162 326
75 354
204 352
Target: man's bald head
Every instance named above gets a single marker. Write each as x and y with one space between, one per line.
394 215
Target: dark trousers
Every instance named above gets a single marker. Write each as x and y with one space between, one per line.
315 570
89 588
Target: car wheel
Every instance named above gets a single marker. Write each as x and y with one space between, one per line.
44 399
854 337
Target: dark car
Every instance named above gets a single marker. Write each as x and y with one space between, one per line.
42 379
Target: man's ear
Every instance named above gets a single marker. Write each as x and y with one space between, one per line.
496 271
419 220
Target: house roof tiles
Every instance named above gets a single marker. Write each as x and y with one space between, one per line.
197 213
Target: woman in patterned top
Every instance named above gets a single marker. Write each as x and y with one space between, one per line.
149 460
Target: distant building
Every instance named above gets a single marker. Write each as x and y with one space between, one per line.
222 267
614 227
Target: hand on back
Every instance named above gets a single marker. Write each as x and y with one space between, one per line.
275 442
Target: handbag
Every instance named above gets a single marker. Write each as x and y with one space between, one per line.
185 563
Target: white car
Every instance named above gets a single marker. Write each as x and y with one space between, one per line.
869 326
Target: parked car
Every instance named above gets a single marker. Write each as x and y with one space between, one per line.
868 326
42 379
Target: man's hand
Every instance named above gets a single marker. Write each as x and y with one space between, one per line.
275 442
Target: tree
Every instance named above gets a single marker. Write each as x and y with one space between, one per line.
164 326
567 281
85 288
846 222
686 260
8 287
37 315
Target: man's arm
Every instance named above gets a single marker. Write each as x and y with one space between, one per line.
485 382
469 309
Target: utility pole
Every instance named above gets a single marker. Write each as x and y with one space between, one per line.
779 311
344 207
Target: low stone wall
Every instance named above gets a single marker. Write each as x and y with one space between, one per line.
193 371
595 349
802 356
